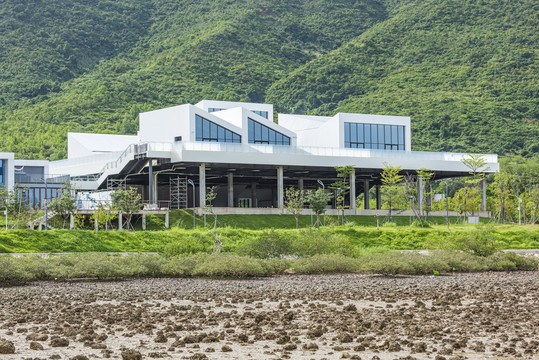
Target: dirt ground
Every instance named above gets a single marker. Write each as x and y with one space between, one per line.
467 316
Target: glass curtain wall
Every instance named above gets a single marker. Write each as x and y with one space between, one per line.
264 114
261 134
207 130
374 136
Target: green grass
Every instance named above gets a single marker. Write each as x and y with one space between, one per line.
184 219
189 241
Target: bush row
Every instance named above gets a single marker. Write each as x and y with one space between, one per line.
105 266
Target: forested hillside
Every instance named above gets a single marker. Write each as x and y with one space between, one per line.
466 71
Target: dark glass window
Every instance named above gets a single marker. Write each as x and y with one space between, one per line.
373 136
210 110
264 114
1 172
207 130
262 134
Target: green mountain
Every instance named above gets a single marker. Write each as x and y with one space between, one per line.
465 71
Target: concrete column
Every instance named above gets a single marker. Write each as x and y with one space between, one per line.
353 189
428 195
280 187
167 220
120 221
71 222
155 190
143 221
96 224
150 182
378 198
202 184
254 200
420 196
300 184
40 227
484 194
230 189
366 194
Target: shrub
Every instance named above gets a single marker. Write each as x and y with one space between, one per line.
183 265
313 242
188 244
270 244
231 266
11 272
480 242
389 224
325 263
420 224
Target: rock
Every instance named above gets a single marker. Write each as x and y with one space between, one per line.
290 347
6 347
345 338
310 346
79 357
37 337
59 342
35 346
130 354
350 307
226 348
198 356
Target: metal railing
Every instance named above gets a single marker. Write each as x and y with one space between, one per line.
149 147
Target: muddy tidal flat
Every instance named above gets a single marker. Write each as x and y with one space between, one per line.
465 316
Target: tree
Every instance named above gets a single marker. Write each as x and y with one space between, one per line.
342 187
425 175
502 190
294 201
318 200
391 179
15 202
476 163
208 208
65 205
126 202
410 194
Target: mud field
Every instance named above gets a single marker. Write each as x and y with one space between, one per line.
470 316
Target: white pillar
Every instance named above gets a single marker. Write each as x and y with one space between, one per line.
254 200
280 187
167 220
71 222
366 199
202 184
155 190
120 221
96 224
300 184
143 221
353 189
484 194
420 196
230 189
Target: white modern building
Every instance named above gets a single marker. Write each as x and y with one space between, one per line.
248 153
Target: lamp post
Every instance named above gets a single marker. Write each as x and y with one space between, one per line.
519 202
45 203
324 190
190 182
446 202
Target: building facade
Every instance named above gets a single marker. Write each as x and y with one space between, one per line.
249 154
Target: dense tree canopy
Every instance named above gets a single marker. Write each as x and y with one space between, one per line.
465 71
